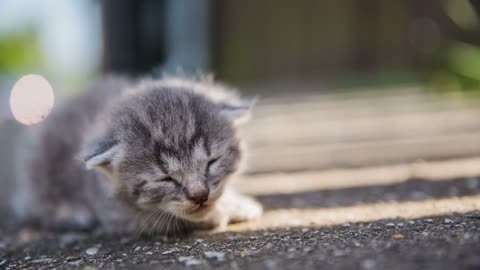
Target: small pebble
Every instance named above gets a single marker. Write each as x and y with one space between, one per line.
448 221
398 236
137 249
390 225
71 258
91 251
245 252
76 263
411 222
268 246
169 252
307 249
27 258
400 224
2 262
429 220
220 256
46 260
189 261
149 253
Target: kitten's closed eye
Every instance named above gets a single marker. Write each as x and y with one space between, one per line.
168 179
211 162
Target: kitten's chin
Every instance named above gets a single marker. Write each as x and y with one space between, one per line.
199 213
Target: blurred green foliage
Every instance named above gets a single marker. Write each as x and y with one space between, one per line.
455 66
457 70
19 51
464 60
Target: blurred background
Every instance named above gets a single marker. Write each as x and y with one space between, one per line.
343 83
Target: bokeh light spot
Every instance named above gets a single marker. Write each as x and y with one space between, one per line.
31 99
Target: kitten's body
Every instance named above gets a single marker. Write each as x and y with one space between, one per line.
163 150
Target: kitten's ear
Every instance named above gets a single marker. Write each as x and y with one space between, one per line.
238 113
101 154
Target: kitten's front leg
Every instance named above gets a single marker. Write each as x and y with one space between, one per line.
233 207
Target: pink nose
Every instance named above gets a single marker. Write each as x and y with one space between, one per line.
198 196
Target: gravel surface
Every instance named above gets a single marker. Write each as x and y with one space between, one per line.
444 242
437 242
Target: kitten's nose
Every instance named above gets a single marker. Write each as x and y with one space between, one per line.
198 195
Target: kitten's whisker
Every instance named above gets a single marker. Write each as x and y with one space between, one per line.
176 225
146 222
159 226
179 220
170 217
152 228
142 225
167 224
162 222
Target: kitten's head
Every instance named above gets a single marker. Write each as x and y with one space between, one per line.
169 148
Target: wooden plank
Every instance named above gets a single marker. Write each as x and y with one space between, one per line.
341 155
289 183
415 106
312 129
349 98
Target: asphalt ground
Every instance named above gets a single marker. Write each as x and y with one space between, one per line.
442 242
411 224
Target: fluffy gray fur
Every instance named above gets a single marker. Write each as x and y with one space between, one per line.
137 156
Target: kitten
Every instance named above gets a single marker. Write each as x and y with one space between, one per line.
146 156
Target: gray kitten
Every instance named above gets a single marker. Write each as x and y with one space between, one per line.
162 153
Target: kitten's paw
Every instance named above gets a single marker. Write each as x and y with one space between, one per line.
244 208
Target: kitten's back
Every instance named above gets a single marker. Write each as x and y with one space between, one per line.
48 170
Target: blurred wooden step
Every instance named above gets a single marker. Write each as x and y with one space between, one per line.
311 132
308 130
346 155
303 181
354 100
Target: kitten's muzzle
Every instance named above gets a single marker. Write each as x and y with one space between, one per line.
198 195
